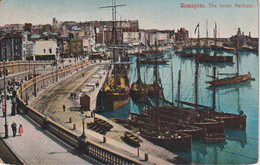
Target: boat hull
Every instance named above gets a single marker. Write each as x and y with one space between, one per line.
231 80
217 59
114 100
232 121
180 144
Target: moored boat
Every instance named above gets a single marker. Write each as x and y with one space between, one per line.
132 138
230 80
104 124
172 141
115 92
215 138
216 59
153 61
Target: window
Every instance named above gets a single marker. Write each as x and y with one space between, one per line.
50 50
44 51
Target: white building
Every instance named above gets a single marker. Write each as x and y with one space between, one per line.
130 37
46 49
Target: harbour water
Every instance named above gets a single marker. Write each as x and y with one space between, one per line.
241 147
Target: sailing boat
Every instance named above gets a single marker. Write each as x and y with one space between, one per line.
115 92
207 58
167 138
232 121
236 78
170 120
138 89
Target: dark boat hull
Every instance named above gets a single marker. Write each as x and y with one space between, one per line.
181 144
232 121
231 80
114 100
217 59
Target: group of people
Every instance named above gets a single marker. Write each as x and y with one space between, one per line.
14 129
73 95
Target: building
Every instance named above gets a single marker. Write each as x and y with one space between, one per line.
12 47
182 35
240 38
28 27
76 47
46 50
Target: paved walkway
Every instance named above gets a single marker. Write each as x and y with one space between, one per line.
36 146
52 107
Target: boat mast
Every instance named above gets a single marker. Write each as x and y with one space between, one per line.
196 84
215 38
179 88
198 44
156 86
207 33
214 90
172 83
197 72
114 35
237 54
138 68
215 35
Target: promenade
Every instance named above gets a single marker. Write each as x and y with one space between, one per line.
37 146
53 108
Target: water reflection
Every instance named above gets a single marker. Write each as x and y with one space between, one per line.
240 146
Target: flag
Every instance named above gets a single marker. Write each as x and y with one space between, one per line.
197 27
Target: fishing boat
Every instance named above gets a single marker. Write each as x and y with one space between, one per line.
115 92
231 80
208 58
139 90
152 131
216 59
132 138
215 138
104 124
232 121
235 78
173 141
153 61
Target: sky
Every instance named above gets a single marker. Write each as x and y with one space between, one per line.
152 14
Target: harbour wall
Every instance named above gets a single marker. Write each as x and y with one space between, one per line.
30 89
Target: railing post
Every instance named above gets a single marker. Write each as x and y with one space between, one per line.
82 145
45 123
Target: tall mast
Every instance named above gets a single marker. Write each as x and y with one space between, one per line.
215 34
214 89
237 54
114 37
156 86
198 44
138 67
207 33
172 82
197 69
196 84
179 88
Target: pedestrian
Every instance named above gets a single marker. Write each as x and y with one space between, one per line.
13 110
71 95
20 129
14 128
74 95
64 107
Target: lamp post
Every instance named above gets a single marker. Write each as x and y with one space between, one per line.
5 109
83 117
